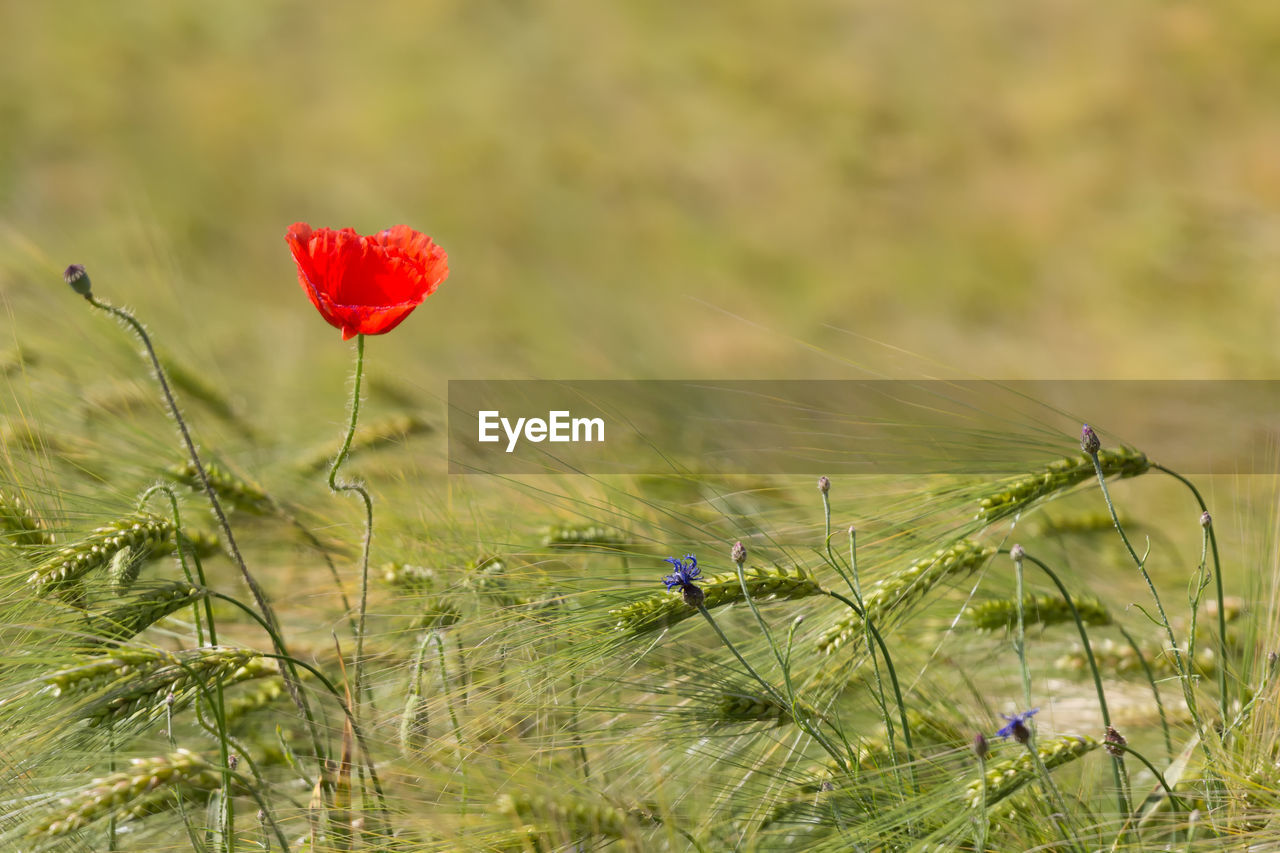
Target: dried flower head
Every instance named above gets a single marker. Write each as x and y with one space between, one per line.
1114 742
1089 441
1016 726
684 577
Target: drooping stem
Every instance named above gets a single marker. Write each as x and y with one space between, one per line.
1223 698
1118 769
347 486
259 597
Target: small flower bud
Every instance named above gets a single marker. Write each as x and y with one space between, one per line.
1089 441
738 553
1113 742
75 276
693 595
980 746
824 484
233 761
1205 519
1016 553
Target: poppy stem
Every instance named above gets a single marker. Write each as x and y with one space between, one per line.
337 485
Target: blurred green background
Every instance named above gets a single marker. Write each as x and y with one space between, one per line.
660 189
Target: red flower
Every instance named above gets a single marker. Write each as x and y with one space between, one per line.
366 285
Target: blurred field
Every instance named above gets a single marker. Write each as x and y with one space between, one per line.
656 189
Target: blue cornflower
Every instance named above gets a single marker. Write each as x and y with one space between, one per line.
683 578
1016 727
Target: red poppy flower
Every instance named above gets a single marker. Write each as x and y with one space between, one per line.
366 285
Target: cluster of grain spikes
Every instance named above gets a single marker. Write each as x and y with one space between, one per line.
140 611
233 490
1013 496
1002 614
904 588
137 534
577 818
128 682
663 609
146 786
1007 777
19 525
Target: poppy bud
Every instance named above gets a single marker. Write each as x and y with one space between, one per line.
76 276
824 484
738 553
1089 441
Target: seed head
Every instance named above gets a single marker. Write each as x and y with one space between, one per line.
1113 742
738 553
75 276
1089 441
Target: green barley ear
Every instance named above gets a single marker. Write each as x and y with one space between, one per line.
1002 614
413 719
125 566
147 786
19 525
378 434
907 587
581 536
143 610
141 532
126 683
736 706
235 491
663 609
405 576
575 816
1013 496
1007 777
262 697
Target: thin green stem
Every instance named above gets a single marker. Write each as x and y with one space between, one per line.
888 662
344 486
1121 775
1224 698
1051 790
1155 688
259 597
453 717
1140 562
803 723
1020 640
